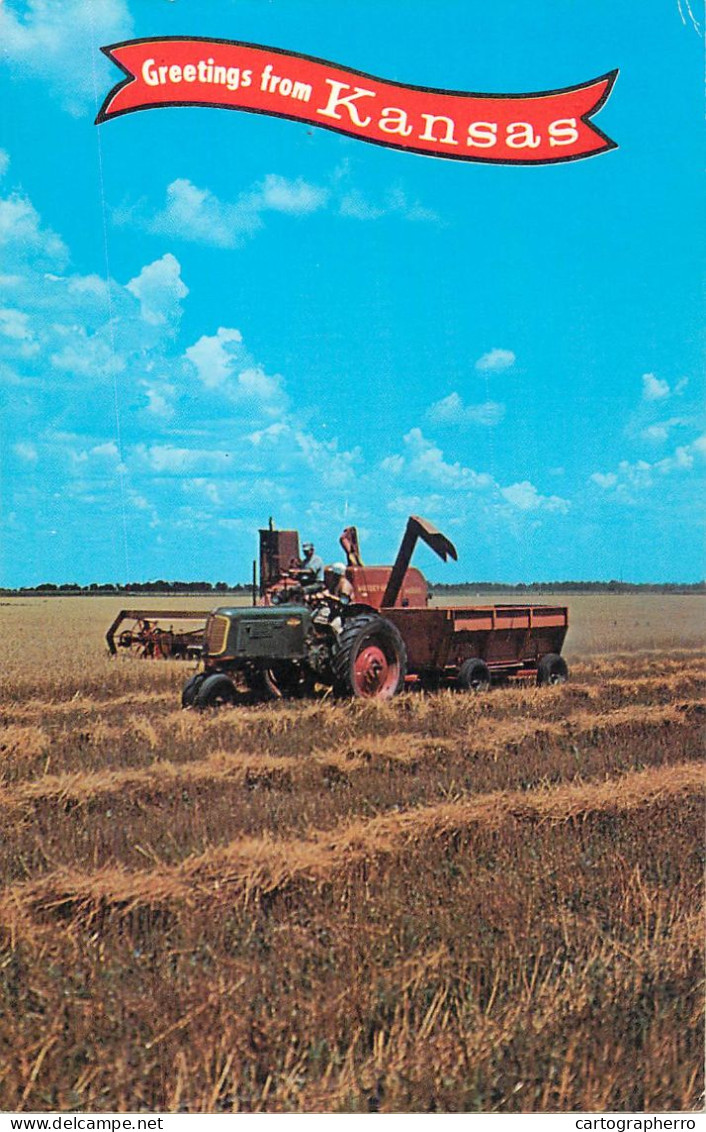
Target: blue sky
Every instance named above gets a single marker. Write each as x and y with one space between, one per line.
209 317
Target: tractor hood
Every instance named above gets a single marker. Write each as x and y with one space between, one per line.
257 633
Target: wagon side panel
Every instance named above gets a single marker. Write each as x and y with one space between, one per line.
506 637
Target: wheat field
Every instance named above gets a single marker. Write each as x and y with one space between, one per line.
444 903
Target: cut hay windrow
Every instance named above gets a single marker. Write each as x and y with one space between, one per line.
650 661
262 865
449 901
78 705
490 738
159 718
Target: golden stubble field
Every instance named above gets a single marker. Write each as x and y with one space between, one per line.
444 903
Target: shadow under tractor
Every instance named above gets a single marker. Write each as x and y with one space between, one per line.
373 639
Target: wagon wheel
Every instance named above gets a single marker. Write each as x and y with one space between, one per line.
474 675
552 669
370 660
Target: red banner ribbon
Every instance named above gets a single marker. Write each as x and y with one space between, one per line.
512 129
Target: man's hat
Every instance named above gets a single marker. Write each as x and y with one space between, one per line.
307 546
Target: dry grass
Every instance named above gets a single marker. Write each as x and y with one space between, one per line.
445 903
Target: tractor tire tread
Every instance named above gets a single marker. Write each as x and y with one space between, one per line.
350 636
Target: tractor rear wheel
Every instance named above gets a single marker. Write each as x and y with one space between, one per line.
370 658
216 691
552 669
188 693
474 675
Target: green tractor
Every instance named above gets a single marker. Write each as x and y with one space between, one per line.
285 650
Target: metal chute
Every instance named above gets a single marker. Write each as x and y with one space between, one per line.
417 528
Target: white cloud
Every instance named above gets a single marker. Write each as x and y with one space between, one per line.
21 232
656 433
59 42
449 489
26 451
166 459
336 467
4 162
427 504
75 324
604 479
293 453
425 461
84 354
254 382
212 414
399 204
451 410
649 423
223 364
160 289
94 460
88 286
295 197
269 434
196 214
699 446
392 465
109 449
654 388
681 460
214 356
496 360
659 431
637 476
525 497
14 324
160 399
356 206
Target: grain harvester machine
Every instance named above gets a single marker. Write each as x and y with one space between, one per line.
386 635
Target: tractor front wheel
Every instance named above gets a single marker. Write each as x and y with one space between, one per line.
188 692
216 691
370 658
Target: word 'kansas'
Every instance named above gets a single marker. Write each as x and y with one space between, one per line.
512 129
442 129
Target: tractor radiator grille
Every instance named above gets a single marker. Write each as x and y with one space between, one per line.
216 634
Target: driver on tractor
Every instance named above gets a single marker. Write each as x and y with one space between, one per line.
337 585
337 593
312 565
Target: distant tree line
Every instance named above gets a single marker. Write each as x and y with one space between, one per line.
159 587
163 587
612 587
